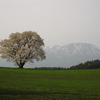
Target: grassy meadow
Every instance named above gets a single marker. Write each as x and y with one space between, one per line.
35 84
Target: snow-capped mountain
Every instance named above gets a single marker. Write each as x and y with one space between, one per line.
69 55
66 55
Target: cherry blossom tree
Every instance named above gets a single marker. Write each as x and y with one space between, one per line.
23 47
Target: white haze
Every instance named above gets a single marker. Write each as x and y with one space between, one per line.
58 22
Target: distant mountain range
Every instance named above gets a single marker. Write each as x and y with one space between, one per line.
65 56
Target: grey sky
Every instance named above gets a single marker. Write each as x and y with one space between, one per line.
56 21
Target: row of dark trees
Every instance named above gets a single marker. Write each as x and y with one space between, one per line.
51 68
94 64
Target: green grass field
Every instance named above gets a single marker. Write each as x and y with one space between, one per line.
31 84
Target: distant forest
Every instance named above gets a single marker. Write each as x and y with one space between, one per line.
94 64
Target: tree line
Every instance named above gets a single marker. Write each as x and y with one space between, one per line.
94 64
51 68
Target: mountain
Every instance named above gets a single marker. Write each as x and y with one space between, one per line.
66 55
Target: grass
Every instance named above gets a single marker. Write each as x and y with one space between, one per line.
31 84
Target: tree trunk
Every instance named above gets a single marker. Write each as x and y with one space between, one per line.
21 65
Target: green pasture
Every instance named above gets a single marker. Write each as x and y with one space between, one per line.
32 84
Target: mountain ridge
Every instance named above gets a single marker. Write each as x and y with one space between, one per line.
71 54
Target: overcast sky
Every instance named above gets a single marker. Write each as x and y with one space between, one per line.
58 22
